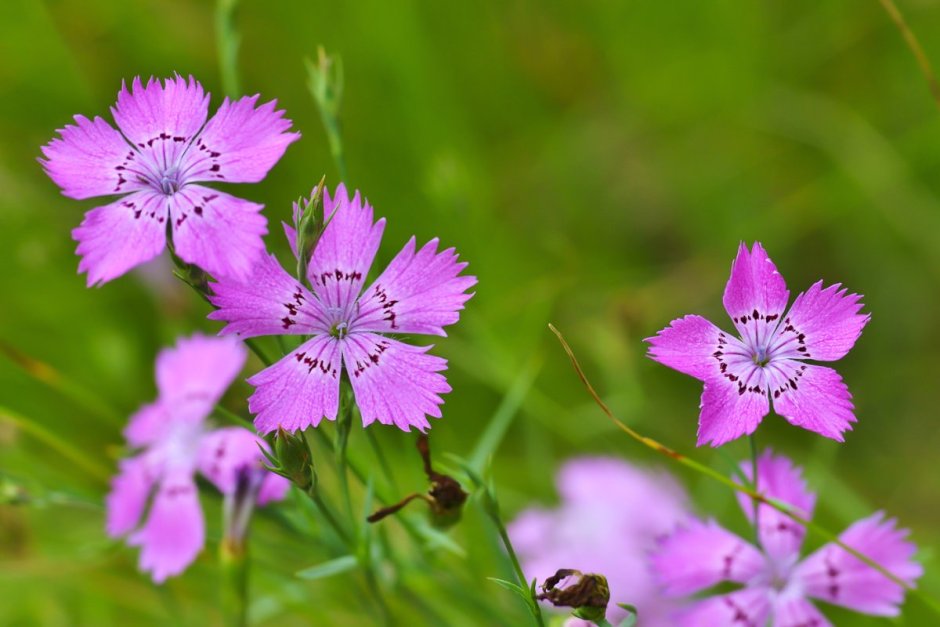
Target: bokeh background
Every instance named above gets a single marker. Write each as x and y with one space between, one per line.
596 162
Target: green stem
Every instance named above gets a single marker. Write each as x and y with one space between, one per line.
233 558
47 375
752 440
227 41
700 468
911 40
382 459
330 517
343 427
55 442
232 417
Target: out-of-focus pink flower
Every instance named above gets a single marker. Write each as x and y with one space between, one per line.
777 585
610 516
743 374
174 445
155 162
420 292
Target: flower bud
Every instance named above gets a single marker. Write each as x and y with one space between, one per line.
293 460
309 225
588 593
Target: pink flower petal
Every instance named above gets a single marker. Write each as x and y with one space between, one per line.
216 231
127 499
273 488
834 575
147 424
689 345
418 292
200 369
174 532
300 390
224 453
114 238
702 554
345 251
779 479
817 400
749 607
795 611
730 409
90 159
240 144
756 294
394 383
822 324
269 302
161 119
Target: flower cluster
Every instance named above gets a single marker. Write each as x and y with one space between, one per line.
616 523
173 444
157 163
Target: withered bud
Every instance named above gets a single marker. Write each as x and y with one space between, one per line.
445 497
588 593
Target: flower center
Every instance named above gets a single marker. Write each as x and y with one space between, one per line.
170 182
761 356
339 330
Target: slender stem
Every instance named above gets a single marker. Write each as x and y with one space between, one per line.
231 416
382 459
343 427
752 440
330 517
46 374
56 443
911 40
233 558
227 41
700 468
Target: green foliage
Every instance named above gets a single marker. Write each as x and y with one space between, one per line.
596 163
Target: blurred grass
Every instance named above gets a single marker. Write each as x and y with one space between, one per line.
596 163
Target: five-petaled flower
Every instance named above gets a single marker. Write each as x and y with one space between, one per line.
164 149
741 375
174 444
394 383
777 585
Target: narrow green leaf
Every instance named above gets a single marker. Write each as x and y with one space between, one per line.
328 569
522 592
632 617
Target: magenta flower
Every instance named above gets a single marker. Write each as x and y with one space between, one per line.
174 445
164 149
777 585
394 383
741 375
609 518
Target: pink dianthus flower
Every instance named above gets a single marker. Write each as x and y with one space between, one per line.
420 292
743 374
777 585
164 148
174 444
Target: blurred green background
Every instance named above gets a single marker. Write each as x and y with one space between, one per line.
597 164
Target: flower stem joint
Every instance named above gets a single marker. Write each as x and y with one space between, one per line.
587 593
445 497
